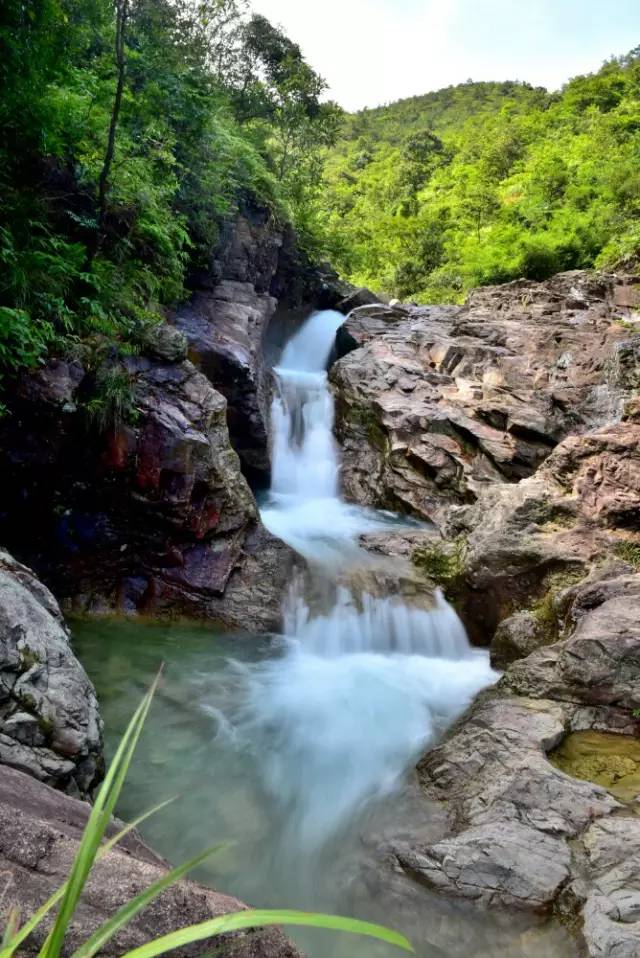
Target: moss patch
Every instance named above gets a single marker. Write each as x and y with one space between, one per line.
604 758
547 610
630 552
443 563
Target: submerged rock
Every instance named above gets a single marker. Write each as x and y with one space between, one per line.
38 840
49 721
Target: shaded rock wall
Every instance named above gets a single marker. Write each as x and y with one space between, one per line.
147 515
230 322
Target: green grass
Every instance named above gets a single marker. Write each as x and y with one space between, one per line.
92 848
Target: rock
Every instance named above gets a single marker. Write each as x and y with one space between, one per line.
49 721
38 839
153 517
495 864
434 404
515 638
357 297
525 543
226 328
166 342
612 908
253 595
599 662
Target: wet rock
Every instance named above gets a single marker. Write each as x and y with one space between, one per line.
49 721
38 841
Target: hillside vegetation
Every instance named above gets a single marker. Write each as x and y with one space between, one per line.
131 129
485 182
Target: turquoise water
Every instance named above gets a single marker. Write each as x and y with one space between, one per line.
215 740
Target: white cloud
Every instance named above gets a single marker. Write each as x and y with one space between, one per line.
374 51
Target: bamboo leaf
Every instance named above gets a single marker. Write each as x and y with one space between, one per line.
254 918
96 826
125 914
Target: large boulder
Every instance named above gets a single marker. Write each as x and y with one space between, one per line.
49 721
434 404
38 841
147 511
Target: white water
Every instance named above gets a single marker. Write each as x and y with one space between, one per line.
367 681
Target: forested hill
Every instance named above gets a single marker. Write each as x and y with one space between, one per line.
485 182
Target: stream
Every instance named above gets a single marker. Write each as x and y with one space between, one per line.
299 749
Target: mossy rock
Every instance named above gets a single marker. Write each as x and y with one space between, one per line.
604 758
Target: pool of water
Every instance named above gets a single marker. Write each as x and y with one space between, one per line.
219 737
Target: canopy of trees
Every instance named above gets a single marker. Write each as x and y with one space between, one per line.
485 182
130 129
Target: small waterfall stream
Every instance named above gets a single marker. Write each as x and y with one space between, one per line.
368 680
299 750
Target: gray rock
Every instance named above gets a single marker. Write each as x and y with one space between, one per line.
495 864
515 638
49 721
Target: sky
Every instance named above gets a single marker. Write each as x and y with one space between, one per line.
376 51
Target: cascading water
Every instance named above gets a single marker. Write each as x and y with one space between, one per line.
298 752
367 680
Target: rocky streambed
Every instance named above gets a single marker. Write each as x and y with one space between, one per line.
510 425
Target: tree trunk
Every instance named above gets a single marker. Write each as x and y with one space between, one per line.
122 13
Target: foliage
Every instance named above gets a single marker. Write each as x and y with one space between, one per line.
486 182
112 401
442 562
91 850
131 131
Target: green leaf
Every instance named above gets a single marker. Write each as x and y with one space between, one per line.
125 914
97 824
254 918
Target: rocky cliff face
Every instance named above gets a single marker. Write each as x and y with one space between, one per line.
256 271
512 424
438 403
49 721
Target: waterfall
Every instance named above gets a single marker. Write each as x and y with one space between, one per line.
366 680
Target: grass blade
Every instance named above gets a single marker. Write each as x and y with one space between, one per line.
128 911
11 927
96 826
254 918
8 948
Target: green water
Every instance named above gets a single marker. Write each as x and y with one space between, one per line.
203 743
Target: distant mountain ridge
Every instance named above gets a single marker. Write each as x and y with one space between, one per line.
484 182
